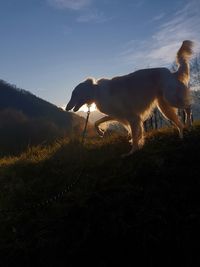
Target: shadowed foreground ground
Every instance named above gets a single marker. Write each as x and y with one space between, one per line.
123 212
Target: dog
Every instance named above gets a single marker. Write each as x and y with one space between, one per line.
131 98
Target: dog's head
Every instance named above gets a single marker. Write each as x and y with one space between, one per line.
82 94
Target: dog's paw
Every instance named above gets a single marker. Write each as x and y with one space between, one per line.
126 155
130 141
132 151
100 133
181 135
188 127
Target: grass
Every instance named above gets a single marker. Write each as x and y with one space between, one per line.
122 210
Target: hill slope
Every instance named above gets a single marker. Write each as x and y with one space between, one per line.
32 106
26 120
144 208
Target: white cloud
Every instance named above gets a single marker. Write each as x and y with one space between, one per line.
161 48
70 4
93 16
138 3
158 17
86 15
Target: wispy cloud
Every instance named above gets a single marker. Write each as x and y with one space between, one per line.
93 16
161 48
70 4
158 17
138 3
86 13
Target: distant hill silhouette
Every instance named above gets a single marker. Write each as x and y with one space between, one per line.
33 106
26 119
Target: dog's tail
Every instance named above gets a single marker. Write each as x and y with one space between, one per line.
183 56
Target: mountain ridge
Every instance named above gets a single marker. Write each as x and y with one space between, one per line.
26 119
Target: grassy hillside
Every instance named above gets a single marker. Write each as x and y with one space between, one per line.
31 105
144 208
27 120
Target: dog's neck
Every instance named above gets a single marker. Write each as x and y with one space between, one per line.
99 91
95 91
95 94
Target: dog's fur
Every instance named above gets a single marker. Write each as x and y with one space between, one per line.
131 98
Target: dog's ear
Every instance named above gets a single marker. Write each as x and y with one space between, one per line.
90 81
91 89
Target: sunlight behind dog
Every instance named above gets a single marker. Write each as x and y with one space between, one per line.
84 108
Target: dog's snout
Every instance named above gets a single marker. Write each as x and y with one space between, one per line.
67 108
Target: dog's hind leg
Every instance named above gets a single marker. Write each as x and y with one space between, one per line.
102 120
188 117
170 113
137 131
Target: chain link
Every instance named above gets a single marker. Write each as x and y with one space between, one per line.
61 194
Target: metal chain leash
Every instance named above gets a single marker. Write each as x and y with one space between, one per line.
85 128
61 194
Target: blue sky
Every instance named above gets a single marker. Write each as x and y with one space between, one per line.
49 46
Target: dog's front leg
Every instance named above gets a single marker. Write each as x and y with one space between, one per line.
137 133
102 120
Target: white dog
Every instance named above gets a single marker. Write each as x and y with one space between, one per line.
130 98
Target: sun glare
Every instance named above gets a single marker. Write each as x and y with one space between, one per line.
84 108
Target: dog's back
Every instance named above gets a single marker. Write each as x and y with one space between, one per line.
133 93
144 79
